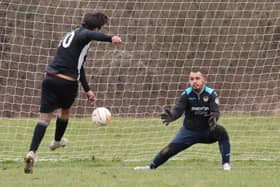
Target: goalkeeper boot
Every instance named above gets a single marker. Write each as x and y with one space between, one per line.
226 167
57 144
142 168
29 161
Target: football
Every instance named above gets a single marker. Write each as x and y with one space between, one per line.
101 116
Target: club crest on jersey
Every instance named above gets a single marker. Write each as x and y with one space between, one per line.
205 98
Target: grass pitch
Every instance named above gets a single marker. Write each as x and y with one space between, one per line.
121 174
255 156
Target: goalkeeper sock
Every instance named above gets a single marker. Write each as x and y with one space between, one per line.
38 135
224 147
61 126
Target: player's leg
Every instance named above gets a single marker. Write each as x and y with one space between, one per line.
183 139
61 125
65 103
48 104
39 131
220 134
166 153
38 134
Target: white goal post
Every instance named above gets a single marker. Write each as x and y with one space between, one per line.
237 44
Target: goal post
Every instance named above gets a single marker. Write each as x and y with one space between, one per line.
236 43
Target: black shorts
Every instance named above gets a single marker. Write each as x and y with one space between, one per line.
57 93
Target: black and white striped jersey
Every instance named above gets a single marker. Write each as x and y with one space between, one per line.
72 51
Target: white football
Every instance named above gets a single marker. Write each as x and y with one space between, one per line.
101 116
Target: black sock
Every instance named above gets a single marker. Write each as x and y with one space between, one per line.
61 126
225 151
38 135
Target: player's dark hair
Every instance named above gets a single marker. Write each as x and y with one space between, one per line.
196 70
94 20
202 71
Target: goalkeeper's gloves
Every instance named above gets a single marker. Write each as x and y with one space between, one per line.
166 117
212 121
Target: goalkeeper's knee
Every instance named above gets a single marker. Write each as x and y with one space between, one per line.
172 149
220 133
166 153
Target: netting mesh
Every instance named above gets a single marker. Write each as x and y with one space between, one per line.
236 44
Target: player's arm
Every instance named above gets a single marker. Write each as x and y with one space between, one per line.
90 95
176 112
214 105
98 36
83 80
214 110
180 106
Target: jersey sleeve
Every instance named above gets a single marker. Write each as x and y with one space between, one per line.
98 36
180 106
83 80
214 105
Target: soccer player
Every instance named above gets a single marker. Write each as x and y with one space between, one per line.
60 85
200 106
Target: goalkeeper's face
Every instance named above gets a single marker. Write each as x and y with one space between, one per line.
196 81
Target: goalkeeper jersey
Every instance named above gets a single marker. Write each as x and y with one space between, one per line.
72 51
197 108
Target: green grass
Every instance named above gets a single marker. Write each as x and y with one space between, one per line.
121 174
255 155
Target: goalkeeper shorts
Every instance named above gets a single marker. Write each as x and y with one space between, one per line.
188 137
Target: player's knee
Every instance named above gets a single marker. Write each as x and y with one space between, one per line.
221 133
45 118
165 150
64 114
172 149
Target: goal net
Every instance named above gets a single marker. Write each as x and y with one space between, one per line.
237 44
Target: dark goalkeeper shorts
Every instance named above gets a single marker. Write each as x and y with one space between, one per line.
188 137
57 93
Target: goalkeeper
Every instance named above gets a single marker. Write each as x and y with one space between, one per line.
200 106
60 86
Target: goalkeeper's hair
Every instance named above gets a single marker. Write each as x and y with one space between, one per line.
94 20
202 71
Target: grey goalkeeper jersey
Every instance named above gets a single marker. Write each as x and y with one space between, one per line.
72 51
